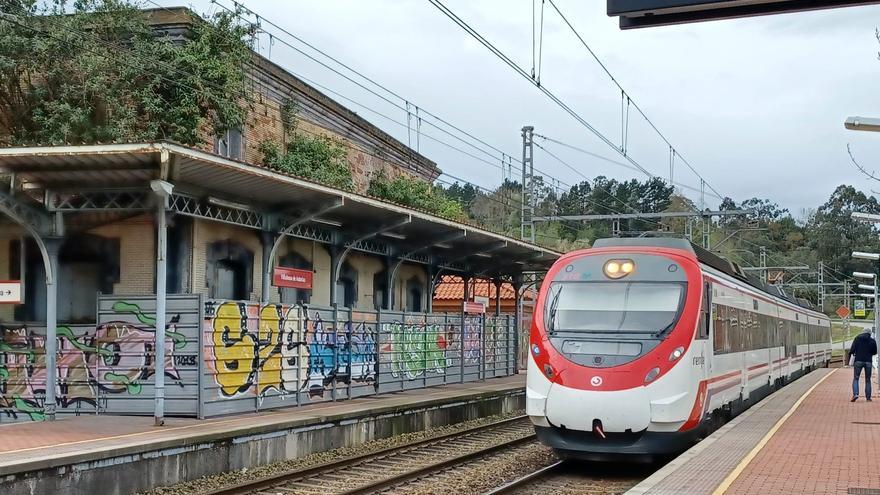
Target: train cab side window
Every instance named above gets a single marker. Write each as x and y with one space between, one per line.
705 314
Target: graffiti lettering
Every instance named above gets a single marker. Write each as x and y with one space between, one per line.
112 358
258 350
416 349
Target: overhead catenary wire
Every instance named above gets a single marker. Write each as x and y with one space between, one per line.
541 87
628 97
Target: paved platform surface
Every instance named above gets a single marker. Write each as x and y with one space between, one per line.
30 446
828 446
705 467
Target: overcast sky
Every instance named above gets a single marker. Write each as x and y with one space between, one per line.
755 105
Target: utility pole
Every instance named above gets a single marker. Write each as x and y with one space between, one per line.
763 264
820 286
527 226
707 224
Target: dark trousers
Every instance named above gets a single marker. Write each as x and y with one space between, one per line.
857 370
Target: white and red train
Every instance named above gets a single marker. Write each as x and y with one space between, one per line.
639 346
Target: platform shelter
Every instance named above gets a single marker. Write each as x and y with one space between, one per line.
274 291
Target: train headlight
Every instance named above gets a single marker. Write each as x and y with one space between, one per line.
652 375
536 350
548 370
677 353
618 268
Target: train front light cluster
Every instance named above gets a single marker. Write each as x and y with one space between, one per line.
618 268
677 353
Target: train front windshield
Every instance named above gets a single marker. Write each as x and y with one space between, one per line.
613 307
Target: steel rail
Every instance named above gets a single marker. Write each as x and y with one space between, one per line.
526 480
276 479
436 467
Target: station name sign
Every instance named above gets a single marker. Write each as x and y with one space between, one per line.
10 291
473 307
292 278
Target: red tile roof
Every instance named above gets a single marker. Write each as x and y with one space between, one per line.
451 288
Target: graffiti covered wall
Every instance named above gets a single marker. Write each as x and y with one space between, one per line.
107 367
265 356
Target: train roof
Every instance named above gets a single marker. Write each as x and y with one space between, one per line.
705 257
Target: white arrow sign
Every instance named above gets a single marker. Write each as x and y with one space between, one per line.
10 291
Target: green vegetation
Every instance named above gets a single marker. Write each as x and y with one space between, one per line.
316 158
94 71
415 193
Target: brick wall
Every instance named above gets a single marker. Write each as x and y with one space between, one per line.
264 123
137 254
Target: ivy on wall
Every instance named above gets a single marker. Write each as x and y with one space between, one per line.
95 71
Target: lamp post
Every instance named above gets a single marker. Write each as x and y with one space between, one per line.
862 124
875 257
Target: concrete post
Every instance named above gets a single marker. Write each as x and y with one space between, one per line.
162 190
161 274
53 246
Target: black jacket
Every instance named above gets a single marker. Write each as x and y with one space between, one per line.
864 347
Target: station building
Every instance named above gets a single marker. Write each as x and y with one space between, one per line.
274 290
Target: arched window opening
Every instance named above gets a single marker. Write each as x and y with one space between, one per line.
414 292
229 270
346 288
380 290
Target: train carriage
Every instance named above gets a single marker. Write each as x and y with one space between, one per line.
638 346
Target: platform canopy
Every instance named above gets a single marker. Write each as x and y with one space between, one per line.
649 13
96 184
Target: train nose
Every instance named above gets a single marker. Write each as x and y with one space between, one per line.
617 411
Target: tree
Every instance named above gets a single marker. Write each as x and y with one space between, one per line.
833 234
95 71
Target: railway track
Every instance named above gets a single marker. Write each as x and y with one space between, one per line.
399 469
562 478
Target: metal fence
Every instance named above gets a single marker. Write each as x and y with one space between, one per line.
226 357
268 356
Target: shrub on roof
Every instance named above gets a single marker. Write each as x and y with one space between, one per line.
317 158
415 193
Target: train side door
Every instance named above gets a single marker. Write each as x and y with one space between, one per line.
703 342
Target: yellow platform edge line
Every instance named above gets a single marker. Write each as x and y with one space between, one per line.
744 463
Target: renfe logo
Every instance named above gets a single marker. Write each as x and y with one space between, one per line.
596 381
292 278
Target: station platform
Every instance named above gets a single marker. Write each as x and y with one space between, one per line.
807 438
118 455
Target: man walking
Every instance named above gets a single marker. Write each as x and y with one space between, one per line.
863 349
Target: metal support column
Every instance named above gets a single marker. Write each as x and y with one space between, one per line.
53 246
429 282
267 243
335 255
517 317
163 191
390 289
820 286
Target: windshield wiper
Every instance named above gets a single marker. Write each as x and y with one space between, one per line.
553 303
